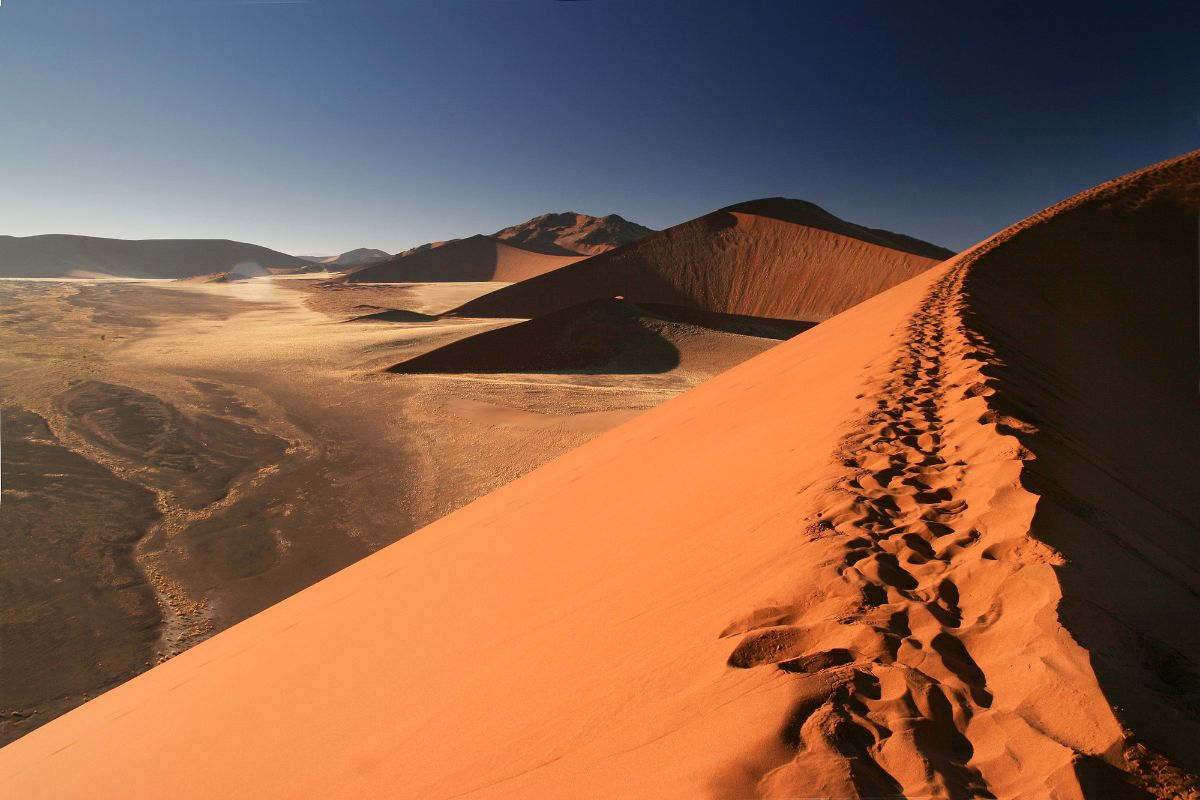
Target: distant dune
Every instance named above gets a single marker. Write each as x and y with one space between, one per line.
608 336
354 258
63 255
771 258
476 258
942 545
569 233
377 314
541 245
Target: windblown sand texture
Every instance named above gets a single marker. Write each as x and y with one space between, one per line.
767 258
942 545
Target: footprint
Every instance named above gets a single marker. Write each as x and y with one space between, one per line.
768 646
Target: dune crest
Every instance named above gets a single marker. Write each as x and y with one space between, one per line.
973 569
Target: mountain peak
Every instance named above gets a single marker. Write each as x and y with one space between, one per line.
572 233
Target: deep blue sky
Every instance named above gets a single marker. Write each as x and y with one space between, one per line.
315 127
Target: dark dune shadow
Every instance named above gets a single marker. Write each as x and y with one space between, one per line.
607 336
600 337
1093 315
395 315
764 327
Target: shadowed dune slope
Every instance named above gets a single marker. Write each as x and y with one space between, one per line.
1091 311
607 336
377 314
60 255
803 212
476 258
767 258
853 566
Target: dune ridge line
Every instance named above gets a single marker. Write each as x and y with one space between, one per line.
936 664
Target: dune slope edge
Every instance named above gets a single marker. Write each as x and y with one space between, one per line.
1000 506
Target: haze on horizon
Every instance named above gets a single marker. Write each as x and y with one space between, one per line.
320 126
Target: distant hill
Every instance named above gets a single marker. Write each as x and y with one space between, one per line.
769 258
569 233
63 255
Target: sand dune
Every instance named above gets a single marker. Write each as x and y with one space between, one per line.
376 314
942 545
354 258
1090 309
609 336
767 258
60 255
516 253
477 258
569 233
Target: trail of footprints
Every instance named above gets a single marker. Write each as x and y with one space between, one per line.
889 706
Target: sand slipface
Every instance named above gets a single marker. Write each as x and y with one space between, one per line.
769 258
861 564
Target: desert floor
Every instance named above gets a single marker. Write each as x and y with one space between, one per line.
178 456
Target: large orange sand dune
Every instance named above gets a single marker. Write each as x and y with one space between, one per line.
922 549
767 258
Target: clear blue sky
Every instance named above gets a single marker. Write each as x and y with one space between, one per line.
318 126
